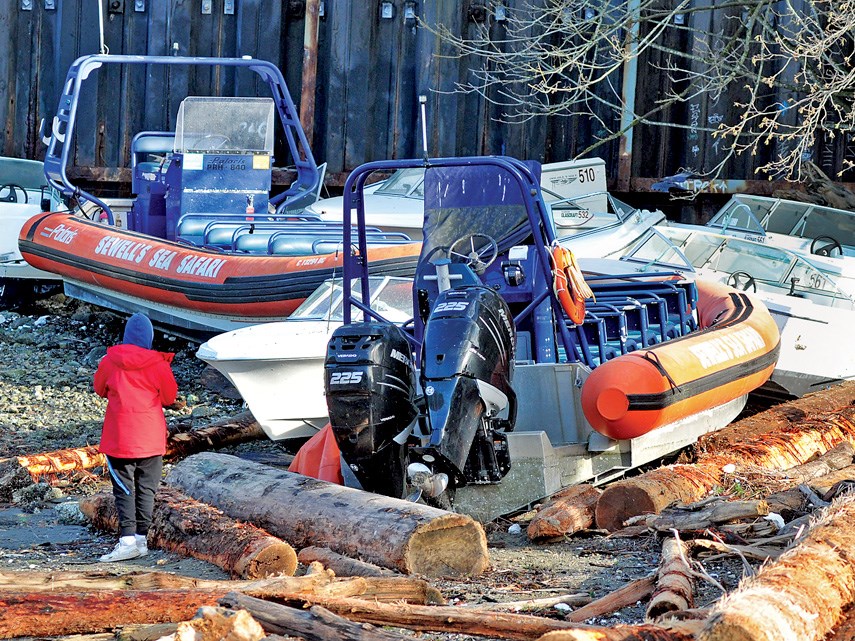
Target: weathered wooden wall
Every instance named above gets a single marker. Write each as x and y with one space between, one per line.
370 73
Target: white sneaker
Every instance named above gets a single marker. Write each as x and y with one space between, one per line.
122 552
142 544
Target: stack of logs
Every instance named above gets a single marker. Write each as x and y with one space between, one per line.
755 498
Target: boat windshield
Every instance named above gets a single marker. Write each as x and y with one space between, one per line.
405 182
472 204
774 267
225 125
390 296
760 214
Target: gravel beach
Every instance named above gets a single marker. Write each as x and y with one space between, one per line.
49 351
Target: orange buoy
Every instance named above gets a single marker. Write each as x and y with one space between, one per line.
733 353
569 284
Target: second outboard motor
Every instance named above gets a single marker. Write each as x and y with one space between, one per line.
370 388
467 367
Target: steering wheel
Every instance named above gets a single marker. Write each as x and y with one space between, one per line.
212 142
12 197
821 246
743 281
464 249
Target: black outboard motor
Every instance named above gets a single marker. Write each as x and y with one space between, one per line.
467 367
370 387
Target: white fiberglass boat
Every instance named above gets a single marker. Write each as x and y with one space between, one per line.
278 367
23 187
573 191
811 298
805 228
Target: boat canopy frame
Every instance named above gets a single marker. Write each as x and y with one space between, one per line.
62 128
355 267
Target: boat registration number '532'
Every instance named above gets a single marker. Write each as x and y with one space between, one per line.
345 378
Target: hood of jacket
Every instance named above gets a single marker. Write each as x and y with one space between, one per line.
131 357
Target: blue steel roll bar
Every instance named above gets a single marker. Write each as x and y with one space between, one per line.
62 128
355 264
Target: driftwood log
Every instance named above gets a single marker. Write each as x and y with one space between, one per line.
802 595
314 624
185 526
54 604
620 633
20 471
219 624
707 515
567 512
674 581
655 490
340 564
229 431
625 595
404 536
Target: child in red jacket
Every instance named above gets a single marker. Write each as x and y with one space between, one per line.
137 383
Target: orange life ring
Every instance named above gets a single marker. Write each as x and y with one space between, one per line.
569 284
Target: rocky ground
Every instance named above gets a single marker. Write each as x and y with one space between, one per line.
49 350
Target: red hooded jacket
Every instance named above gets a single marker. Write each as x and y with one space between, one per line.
137 383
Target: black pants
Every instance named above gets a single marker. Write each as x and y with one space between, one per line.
135 481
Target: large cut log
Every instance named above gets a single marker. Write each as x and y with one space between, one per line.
408 537
187 527
781 417
800 596
568 512
340 564
625 595
674 581
655 490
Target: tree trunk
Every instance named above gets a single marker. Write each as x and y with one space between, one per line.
802 595
408 537
220 624
655 490
674 582
569 511
190 528
341 565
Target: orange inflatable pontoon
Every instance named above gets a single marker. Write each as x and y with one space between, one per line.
252 287
733 353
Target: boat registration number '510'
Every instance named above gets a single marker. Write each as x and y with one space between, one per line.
345 378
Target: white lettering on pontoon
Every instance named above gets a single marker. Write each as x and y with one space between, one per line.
122 248
162 258
200 266
720 349
310 261
60 234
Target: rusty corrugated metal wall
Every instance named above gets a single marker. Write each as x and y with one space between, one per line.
371 70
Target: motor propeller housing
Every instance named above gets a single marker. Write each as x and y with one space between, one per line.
370 387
